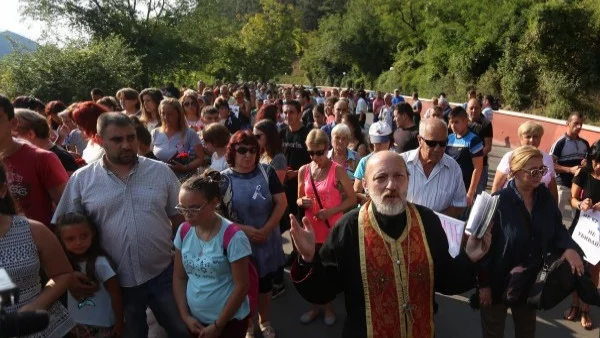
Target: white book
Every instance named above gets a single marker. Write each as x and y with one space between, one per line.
481 214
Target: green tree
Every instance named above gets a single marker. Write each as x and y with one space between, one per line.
148 26
68 73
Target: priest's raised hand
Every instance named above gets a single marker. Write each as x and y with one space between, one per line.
303 237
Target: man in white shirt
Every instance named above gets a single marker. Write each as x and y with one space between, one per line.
435 179
487 111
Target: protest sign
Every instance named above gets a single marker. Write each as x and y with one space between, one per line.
587 235
454 229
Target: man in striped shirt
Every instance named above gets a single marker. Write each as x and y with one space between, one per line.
568 153
132 201
435 179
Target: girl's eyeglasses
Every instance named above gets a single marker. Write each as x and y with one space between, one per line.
189 211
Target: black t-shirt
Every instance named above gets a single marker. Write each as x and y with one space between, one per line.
307 116
232 123
589 185
294 147
591 189
67 160
405 139
483 128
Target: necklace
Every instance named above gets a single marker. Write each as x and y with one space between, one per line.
406 307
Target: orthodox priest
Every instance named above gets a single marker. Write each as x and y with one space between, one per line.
389 258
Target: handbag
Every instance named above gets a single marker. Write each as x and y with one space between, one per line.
554 282
312 182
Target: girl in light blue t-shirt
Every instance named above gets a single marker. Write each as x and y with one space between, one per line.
210 281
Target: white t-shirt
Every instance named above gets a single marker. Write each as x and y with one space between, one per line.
504 166
218 163
92 152
488 112
96 310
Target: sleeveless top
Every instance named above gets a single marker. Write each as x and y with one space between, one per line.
330 196
19 256
252 205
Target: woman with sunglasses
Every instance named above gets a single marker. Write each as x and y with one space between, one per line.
530 134
585 195
527 220
210 287
320 190
192 108
254 198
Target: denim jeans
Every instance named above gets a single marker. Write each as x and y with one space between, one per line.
157 294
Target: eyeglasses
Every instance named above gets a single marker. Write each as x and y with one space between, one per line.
433 143
258 136
317 153
189 211
244 150
536 172
189 103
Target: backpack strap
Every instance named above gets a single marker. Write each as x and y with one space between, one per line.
185 228
263 172
228 235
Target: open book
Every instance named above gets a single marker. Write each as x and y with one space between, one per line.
481 214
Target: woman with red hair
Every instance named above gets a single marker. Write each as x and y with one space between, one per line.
254 198
86 116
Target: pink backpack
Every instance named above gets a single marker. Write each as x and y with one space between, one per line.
252 272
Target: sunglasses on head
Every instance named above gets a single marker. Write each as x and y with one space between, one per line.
433 143
317 152
244 150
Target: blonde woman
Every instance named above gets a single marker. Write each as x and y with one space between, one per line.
173 142
530 134
527 219
321 185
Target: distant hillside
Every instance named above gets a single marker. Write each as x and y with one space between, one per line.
8 41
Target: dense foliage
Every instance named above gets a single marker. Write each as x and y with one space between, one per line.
541 56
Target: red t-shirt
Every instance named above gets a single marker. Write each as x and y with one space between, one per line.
31 172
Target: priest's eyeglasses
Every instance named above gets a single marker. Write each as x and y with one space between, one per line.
537 172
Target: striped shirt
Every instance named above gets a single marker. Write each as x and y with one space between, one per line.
132 216
443 188
568 152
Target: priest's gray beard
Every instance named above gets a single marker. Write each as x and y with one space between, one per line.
389 204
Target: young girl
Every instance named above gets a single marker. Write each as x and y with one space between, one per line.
102 314
210 282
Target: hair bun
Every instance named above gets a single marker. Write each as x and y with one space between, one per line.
212 175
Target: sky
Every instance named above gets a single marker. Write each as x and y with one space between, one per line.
11 20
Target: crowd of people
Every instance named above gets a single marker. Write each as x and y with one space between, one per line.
173 203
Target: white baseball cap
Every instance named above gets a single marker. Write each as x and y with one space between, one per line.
380 132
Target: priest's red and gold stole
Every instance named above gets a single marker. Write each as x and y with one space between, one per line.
397 278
